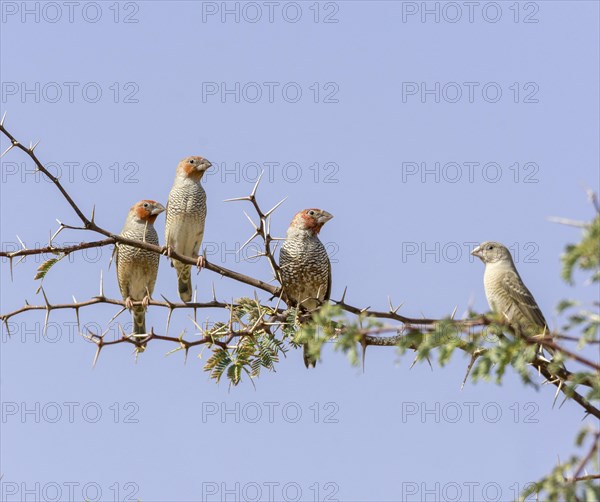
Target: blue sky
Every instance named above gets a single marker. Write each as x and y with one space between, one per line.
370 118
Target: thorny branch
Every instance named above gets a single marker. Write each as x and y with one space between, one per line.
277 315
585 460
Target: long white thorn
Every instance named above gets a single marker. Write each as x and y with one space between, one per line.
236 199
123 309
76 314
275 206
7 150
255 234
454 312
32 148
253 193
101 285
21 242
250 220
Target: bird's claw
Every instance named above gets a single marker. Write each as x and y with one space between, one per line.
200 262
128 303
146 301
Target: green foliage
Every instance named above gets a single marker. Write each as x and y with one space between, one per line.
218 363
585 255
322 327
264 333
559 484
45 267
254 347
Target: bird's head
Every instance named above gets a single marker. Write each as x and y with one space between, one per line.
492 252
193 167
311 220
147 210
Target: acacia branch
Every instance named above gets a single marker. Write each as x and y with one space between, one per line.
66 250
111 301
585 460
89 224
263 229
557 378
278 316
30 152
549 343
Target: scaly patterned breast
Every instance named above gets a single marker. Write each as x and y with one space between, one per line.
137 268
305 270
187 198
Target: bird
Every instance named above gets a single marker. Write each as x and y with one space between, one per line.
505 291
137 268
304 265
185 218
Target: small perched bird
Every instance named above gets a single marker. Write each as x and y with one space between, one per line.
505 291
137 268
304 265
186 214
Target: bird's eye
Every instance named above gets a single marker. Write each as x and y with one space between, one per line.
192 161
490 248
311 213
146 205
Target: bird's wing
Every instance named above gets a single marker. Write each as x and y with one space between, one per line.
328 293
523 299
167 225
121 279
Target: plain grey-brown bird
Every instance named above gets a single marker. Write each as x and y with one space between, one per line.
505 291
186 215
304 265
137 268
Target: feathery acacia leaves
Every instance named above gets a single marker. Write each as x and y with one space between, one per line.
257 335
585 255
45 267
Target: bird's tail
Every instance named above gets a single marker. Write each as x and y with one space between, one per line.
310 361
138 316
184 281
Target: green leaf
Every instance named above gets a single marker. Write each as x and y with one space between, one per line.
45 267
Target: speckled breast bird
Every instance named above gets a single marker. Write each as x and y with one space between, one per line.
186 214
304 265
505 291
137 268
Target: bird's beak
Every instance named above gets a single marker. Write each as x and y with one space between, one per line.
477 252
204 166
324 217
158 208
